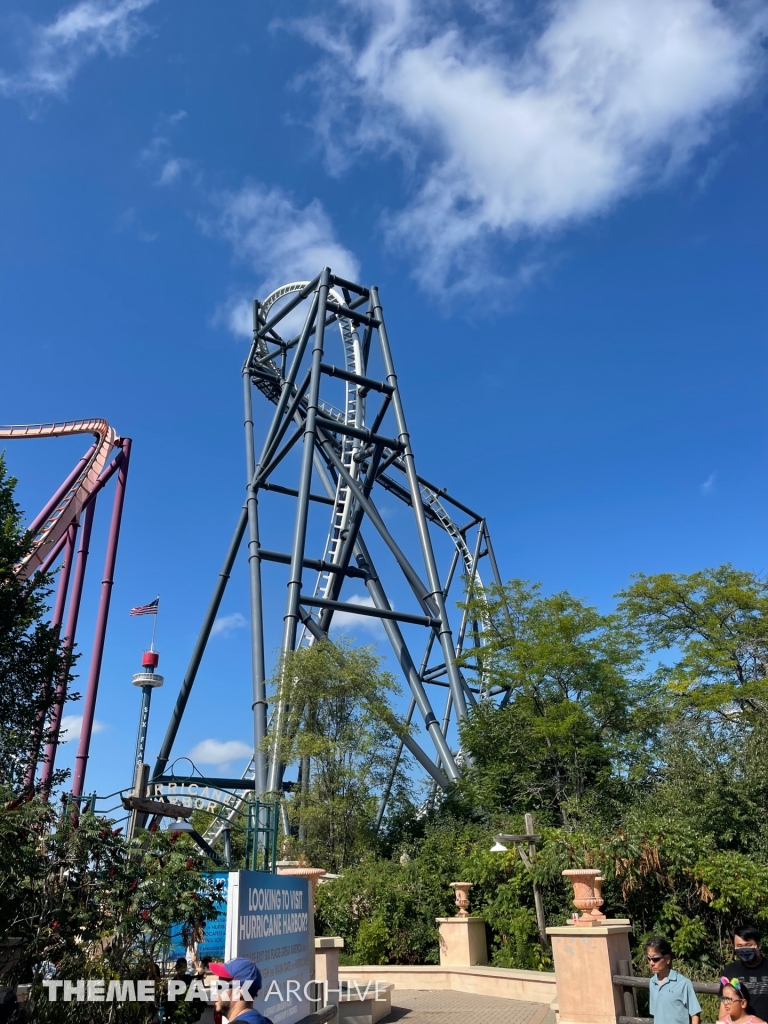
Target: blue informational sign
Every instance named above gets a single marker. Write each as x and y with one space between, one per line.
214 942
269 921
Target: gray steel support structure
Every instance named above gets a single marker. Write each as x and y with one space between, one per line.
344 457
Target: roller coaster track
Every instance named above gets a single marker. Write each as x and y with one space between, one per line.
349 450
48 533
55 529
354 415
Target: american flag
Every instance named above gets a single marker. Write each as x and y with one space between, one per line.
146 609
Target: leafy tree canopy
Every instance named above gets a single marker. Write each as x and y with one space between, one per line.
576 717
716 622
31 656
341 728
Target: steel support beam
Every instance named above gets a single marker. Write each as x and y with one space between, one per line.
435 595
291 619
355 378
258 670
94 674
348 470
200 645
350 541
403 656
318 564
360 609
417 585
42 517
56 620
393 771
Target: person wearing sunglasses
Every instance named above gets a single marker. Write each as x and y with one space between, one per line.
750 968
734 1000
672 998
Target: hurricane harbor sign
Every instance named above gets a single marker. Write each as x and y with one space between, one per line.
270 921
194 795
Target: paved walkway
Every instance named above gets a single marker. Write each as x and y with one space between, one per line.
418 1007
441 1007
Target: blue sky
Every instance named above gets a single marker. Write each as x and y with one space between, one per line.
564 208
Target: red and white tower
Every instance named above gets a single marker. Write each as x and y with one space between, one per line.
148 679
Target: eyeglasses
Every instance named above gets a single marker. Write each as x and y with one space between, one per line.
730 999
654 959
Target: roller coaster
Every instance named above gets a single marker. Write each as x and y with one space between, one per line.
336 443
346 459
65 525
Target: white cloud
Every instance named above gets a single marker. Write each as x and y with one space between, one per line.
344 621
281 240
54 53
172 169
219 751
517 135
236 314
277 238
709 484
224 624
158 151
71 726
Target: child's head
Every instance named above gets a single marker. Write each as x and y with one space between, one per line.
734 997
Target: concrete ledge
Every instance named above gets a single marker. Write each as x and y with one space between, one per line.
359 1007
534 986
615 926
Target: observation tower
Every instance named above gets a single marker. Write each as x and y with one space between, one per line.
148 679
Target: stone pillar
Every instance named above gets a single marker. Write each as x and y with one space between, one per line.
585 961
327 964
462 941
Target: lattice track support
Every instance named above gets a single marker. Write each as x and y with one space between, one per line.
344 459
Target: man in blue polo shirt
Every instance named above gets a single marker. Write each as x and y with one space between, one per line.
672 998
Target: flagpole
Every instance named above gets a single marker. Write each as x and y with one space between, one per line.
154 625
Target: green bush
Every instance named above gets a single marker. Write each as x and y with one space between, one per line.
386 911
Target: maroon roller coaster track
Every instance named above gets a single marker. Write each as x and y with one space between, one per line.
63 528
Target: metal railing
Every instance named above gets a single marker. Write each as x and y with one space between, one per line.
261 836
628 983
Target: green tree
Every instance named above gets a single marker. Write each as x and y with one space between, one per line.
341 727
576 721
31 657
716 623
74 892
386 909
663 788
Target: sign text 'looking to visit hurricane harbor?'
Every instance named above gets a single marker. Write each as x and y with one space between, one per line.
273 912
269 922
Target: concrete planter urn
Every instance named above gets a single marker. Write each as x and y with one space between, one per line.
303 871
462 897
598 887
586 894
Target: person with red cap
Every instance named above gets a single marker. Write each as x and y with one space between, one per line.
236 1001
